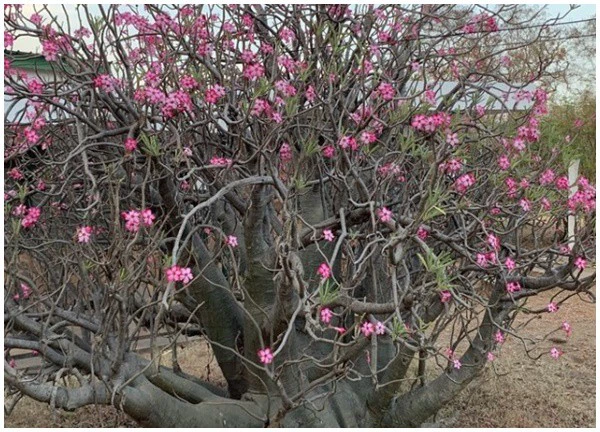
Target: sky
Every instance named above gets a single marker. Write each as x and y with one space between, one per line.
584 11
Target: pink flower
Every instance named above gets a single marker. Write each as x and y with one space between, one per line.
493 241
340 330
186 275
422 233
452 139
482 260
567 328
509 263
310 94
456 364
328 151
265 355
326 315
12 363
26 290
84 234
132 220
512 287
490 356
324 271
328 235
147 217
525 204
464 182
580 263
130 144
231 241
380 328
384 214
445 296
552 307
547 177
504 162
367 328
499 337
555 353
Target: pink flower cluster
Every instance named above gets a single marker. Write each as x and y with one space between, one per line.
285 153
134 218
175 103
254 71
451 166
32 215
24 294
547 177
221 161
35 86
104 82
512 287
326 315
130 144
348 142
391 169
367 328
386 91
213 94
584 198
188 82
176 274
50 50
285 88
464 182
431 123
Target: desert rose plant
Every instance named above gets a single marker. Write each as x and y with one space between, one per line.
344 201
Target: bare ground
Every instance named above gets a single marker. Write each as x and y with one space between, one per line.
515 392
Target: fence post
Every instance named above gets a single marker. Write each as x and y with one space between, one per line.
573 174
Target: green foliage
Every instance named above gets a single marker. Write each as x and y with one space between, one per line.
560 123
328 292
151 145
438 265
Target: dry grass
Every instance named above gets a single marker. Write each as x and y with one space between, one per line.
516 392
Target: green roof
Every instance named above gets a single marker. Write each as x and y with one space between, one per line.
28 61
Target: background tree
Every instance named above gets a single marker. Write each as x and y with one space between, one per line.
285 181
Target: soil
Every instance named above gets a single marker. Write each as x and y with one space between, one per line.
514 391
